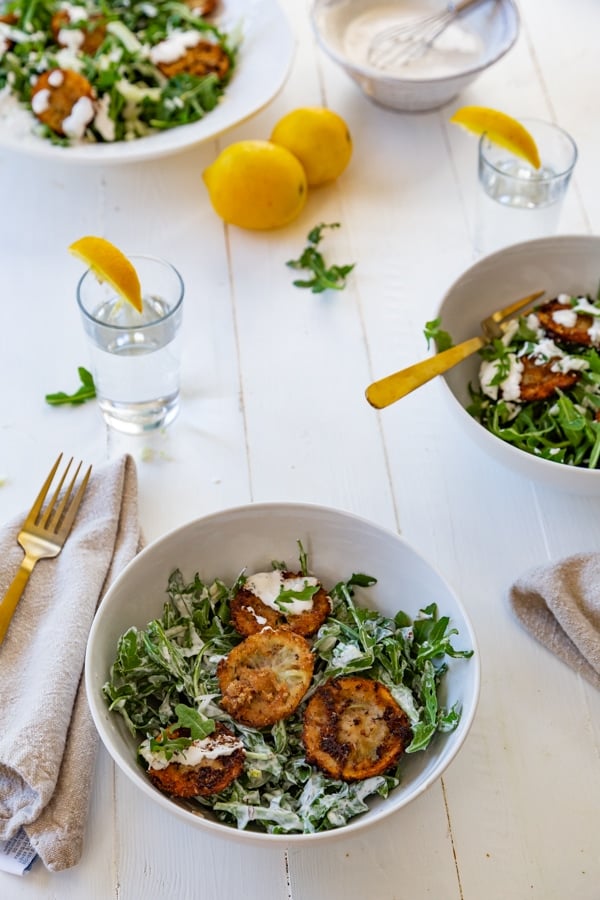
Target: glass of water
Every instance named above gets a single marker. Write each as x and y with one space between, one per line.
516 202
135 356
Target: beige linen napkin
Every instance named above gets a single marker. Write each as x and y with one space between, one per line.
47 737
560 605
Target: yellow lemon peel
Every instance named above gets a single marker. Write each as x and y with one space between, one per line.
256 185
109 264
499 128
319 138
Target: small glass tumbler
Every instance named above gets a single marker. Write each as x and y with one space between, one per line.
516 202
135 356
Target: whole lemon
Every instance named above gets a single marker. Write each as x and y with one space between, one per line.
256 185
319 138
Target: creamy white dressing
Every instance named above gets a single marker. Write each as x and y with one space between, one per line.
267 586
566 317
547 350
80 117
75 13
533 324
174 47
594 331
355 27
71 38
40 101
544 350
343 655
259 619
583 305
198 751
568 363
102 120
510 387
68 58
56 78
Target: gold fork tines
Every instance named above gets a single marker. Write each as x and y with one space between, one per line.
387 390
44 531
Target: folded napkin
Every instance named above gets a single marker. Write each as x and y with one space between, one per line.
47 736
560 605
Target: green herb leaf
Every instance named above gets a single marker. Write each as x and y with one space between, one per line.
288 596
197 727
87 391
324 277
164 682
433 332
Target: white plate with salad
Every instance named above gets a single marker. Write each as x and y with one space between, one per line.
497 397
168 636
152 112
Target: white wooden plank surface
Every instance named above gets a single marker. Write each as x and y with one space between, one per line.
273 408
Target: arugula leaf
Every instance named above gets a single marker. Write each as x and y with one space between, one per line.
87 391
288 596
433 332
563 427
189 719
164 684
324 277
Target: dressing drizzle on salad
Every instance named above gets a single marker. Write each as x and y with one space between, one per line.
539 385
92 72
165 684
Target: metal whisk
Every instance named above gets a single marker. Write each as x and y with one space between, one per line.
399 44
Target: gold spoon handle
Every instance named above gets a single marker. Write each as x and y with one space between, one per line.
391 388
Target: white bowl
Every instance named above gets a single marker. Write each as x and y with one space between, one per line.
565 264
479 38
337 544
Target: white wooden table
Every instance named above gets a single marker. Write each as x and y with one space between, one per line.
273 408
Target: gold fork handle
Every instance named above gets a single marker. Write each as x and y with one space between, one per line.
9 602
391 388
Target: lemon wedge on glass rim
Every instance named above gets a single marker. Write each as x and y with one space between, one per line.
500 129
109 264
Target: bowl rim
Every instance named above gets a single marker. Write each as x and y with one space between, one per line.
376 74
546 471
99 709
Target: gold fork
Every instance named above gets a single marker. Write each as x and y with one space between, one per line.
387 390
43 533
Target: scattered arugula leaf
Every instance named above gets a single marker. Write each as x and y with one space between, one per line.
86 391
441 338
324 277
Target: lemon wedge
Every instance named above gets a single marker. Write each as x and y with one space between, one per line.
109 264
500 129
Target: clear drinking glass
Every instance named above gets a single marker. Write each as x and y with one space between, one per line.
135 356
516 202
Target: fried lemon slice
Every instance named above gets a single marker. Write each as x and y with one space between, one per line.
206 767
109 264
264 678
575 332
500 129
354 729
249 614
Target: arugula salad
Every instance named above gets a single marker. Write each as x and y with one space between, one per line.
164 683
539 385
96 71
